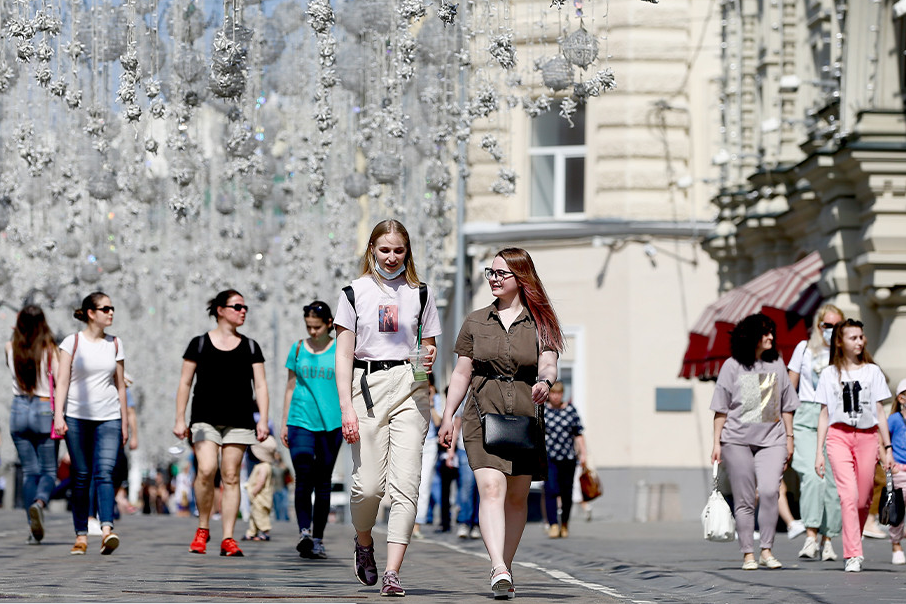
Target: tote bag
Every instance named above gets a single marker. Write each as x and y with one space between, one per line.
717 520
892 506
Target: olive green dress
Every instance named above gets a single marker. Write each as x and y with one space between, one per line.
497 351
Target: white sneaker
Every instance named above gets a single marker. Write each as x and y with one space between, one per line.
809 549
853 565
462 531
475 533
94 526
827 552
898 558
795 529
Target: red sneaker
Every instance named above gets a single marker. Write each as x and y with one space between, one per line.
228 547
199 543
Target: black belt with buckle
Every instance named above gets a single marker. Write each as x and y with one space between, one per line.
372 366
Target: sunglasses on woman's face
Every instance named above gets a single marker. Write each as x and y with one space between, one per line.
104 309
237 307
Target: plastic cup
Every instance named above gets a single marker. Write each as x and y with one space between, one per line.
177 449
417 359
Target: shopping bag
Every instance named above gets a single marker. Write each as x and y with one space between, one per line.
590 484
717 519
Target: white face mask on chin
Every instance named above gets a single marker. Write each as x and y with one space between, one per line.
385 274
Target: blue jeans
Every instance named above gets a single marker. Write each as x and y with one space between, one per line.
93 447
30 421
467 495
314 455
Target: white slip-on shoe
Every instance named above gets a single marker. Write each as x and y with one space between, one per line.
898 558
795 529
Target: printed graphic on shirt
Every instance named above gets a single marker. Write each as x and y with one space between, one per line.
760 398
314 372
857 402
388 318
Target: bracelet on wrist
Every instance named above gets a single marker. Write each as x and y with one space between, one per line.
888 446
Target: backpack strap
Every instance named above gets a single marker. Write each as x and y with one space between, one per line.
298 346
75 346
252 346
350 295
200 343
116 347
423 301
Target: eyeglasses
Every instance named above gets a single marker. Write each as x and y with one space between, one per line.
105 309
237 307
500 274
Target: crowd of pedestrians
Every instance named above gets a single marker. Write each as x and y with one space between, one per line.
364 377
824 412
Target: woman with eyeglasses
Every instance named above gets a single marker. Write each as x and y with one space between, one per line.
819 504
230 386
92 389
385 408
311 425
753 405
32 358
851 392
508 356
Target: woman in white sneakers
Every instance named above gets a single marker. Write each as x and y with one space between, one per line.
384 399
851 391
90 407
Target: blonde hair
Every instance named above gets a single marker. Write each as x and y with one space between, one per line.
369 265
816 341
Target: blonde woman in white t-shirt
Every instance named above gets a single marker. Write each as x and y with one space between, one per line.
819 504
90 406
385 406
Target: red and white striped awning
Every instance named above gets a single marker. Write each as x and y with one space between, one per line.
787 294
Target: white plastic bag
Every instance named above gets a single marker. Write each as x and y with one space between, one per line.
717 520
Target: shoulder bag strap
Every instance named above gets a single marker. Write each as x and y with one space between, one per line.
298 346
350 295
75 345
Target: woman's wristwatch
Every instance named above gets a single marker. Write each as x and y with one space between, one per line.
548 382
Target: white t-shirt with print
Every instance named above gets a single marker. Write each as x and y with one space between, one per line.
803 363
92 387
853 402
387 318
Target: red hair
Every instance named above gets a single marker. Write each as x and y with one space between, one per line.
534 297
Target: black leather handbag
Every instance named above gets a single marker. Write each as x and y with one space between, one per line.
505 432
892 507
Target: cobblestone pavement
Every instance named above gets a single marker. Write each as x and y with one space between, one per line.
600 562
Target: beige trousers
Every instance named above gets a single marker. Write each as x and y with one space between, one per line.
388 456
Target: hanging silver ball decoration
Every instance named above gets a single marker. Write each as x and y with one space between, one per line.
437 176
70 246
90 273
189 66
385 168
580 48
149 190
109 260
557 74
225 204
260 186
356 184
102 185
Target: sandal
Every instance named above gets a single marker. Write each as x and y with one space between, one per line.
501 582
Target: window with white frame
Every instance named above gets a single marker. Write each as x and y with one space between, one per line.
557 156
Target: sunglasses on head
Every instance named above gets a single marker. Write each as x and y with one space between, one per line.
314 307
237 307
104 309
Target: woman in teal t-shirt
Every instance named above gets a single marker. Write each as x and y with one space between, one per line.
311 425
